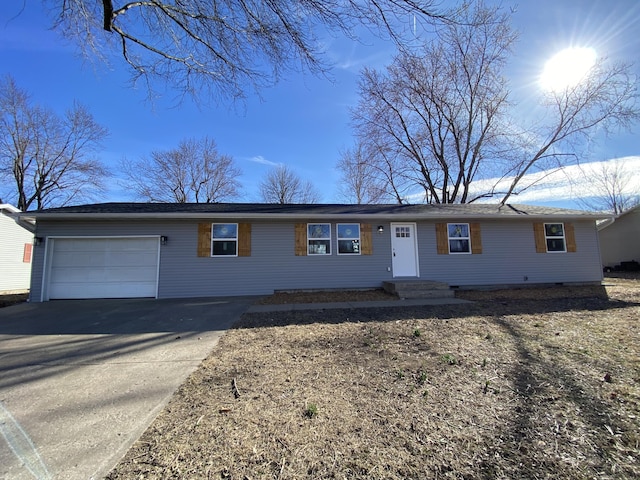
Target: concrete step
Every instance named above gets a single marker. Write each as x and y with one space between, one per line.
426 294
418 289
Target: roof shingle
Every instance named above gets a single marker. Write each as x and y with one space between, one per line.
264 210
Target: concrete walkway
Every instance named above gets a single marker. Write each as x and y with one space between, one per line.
408 302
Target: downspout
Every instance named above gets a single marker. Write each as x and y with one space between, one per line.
605 223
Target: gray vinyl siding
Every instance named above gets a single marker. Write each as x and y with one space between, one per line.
508 256
271 266
14 273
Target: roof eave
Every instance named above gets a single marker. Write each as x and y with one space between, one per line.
300 216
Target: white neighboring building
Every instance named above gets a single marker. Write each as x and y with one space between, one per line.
16 246
620 239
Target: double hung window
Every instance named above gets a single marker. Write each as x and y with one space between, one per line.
348 239
224 239
554 237
459 239
319 239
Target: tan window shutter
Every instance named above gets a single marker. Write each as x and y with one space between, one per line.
301 239
244 239
442 239
570 237
366 241
538 234
26 254
204 239
476 238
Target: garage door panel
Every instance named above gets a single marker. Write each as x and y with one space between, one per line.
111 274
131 259
77 290
103 268
99 244
103 259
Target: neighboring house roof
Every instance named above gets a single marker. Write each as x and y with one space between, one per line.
9 208
306 211
611 220
13 212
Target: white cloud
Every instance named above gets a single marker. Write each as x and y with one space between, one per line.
263 161
569 184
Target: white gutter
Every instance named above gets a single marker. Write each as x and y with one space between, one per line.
605 223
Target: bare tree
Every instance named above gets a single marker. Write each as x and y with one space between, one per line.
49 159
610 186
605 99
361 182
435 118
192 172
203 46
281 185
440 118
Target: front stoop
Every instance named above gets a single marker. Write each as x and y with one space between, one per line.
418 289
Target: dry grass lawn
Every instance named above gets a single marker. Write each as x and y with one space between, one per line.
520 384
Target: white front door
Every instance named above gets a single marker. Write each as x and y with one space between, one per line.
404 250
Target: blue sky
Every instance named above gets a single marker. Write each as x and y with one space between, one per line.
303 122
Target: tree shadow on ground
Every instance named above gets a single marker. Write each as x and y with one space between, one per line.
572 410
562 422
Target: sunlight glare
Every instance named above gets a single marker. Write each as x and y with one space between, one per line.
567 68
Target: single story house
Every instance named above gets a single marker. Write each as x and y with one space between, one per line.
16 244
114 250
620 239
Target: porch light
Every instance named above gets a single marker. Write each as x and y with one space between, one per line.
380 228
163 240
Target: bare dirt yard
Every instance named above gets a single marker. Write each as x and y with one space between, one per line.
529 384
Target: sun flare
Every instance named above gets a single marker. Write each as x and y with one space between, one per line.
567 68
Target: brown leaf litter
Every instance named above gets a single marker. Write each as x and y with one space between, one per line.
519 384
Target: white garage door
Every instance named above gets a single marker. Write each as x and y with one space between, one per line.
103 267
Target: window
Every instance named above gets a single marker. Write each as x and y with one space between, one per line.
554 237
403 232
224 239
459 239
319 239
348 239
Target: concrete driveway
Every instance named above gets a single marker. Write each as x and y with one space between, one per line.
81 380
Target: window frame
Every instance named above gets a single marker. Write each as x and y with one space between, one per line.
226 239
352 238
323 239
467 238
555 237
